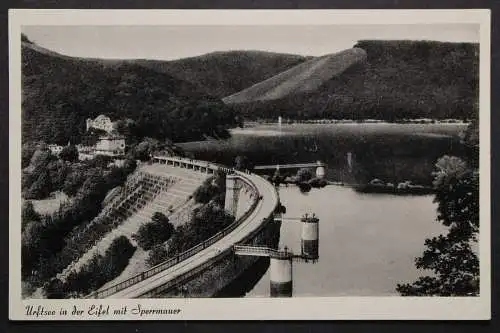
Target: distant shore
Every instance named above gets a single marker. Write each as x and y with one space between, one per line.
378 189
352 121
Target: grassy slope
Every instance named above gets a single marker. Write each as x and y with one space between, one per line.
305 77
223 73
400 79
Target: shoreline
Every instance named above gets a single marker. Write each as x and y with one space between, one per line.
417 121
360 188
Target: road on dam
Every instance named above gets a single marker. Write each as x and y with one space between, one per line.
265 207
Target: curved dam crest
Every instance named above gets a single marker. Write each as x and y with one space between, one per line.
177 271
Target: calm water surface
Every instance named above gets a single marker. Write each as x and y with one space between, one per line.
391 152
368 242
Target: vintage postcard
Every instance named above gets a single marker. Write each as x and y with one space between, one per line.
231 164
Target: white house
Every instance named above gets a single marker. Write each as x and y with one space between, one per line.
101 122
55 149
110 145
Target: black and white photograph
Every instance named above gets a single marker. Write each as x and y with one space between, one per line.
248 160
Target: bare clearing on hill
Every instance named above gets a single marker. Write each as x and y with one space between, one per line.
305 77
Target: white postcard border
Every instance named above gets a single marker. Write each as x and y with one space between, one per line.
310 308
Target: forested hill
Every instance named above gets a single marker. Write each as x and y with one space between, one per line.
60 93
400 79
221 74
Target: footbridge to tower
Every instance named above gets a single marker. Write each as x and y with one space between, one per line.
281 281
319 166
250 198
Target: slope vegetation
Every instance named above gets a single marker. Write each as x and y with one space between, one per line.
305 77
60 93
400 79
220 74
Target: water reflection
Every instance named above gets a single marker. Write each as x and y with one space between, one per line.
367 242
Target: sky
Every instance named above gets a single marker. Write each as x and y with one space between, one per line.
174 42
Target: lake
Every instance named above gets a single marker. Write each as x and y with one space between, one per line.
390 152
368 242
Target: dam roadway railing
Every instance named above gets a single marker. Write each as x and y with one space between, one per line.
258 251
195 249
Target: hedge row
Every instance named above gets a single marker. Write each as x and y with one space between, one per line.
98 271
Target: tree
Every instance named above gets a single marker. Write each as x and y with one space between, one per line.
116 177
69 153
41 188
99 161
73 182
100 268
129 165
127 128
208 220
471 141
28 149
91 137
145 149
241 163
25 39
58 171
28 214
212 188
450 257
30 247
117 255
40 159
277 178
449 170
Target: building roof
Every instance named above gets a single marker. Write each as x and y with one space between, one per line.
102 117
112 137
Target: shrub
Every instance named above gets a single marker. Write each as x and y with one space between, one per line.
157 255
280 209
211 189
60 237
304 175
55 289
73 181
100 269
130 165
100 161
205 222
304 187
204 193
69 153
28 214
242 162
156 232
317 182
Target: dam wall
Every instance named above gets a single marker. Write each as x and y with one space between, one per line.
212 264
231 275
